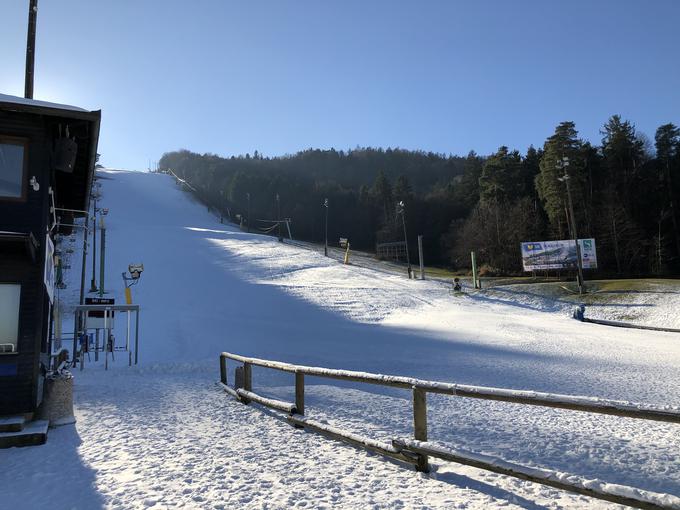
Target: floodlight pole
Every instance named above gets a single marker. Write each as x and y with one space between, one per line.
564 164
402 210
325 246
30 49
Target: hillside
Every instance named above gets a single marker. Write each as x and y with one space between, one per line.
161 435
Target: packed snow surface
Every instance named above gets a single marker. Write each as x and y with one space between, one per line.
162 435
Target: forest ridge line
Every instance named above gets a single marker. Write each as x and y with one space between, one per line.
626 193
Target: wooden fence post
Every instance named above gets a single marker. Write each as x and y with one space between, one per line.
247 377
300 392
238 377
299 395
243 379
420 425
223 368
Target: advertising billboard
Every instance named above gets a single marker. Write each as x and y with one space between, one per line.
558 255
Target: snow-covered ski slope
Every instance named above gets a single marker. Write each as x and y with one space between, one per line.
162 436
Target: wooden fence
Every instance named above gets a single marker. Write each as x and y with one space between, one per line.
417 450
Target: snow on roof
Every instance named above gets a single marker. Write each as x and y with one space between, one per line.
5 98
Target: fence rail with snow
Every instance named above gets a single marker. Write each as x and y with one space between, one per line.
417 450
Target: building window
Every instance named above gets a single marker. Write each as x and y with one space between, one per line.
10 295
12 168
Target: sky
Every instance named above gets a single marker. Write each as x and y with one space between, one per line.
232 77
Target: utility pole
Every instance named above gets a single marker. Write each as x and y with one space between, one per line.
278 209
93 284
248 220
30 49
475 278
401 209
564 164
420 257
325 246
102 235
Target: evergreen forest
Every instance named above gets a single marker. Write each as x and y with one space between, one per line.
625 191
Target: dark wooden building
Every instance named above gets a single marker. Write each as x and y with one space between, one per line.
47 158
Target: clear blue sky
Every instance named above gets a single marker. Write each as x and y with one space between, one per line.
231 77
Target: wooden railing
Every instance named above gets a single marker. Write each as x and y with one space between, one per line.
417 450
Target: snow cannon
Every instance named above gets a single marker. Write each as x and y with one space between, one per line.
135 271
579 312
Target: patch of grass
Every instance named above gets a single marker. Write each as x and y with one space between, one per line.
606 291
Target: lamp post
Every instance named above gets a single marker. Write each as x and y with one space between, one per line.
402 210
563 164
325 246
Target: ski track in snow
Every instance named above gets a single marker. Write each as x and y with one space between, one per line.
161 435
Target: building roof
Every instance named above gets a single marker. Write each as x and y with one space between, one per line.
73 190
17 103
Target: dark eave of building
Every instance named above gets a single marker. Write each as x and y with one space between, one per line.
21 104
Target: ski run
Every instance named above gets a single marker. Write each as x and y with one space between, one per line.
163 435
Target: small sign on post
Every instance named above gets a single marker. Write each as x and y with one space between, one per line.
95 318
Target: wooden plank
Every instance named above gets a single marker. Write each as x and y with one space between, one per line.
353 439
345 375
230 390
632 497
574 403
276 365
617 324
599 406
420 425
280 405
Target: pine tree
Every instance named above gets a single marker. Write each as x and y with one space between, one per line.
501 177
382 189
402 189
530 169
623 154
564 143
667 145
465 189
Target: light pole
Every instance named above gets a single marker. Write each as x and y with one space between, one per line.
325 246
402 210
563 164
